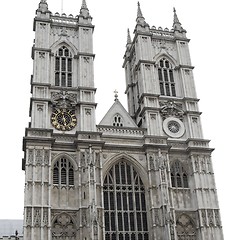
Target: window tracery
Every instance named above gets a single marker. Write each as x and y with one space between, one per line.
179 176
63 227
63 67
124 204
117 120
63 173
166 78
185 227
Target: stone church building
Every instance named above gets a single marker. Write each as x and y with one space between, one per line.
140 174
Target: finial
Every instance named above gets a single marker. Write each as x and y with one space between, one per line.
139 12
175 20
116 95
84 4
84 16
43 8
177 26
129 41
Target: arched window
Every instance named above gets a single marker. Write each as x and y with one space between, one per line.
63 67
185 227
117 121
63 173
63 227
166 78
124 204
179 176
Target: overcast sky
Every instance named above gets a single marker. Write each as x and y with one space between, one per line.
212 26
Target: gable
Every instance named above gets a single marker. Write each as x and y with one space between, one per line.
117 116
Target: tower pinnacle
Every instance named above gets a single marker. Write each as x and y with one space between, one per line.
129 41
84 15
139 11
84 5
141 24
177 26
43 8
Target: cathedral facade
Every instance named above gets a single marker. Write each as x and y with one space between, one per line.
140 174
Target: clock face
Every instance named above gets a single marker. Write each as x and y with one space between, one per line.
63 119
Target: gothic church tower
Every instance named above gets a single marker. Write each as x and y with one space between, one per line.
140 174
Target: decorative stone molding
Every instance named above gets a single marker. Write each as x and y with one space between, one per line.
171 109
63 99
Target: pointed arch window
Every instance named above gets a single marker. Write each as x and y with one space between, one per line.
166 78
63 172
118 120
179 176
186 228
63 67
125 210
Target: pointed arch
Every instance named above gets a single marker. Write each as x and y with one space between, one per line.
125 208
63 168
186 227
63 226
58 44
165 54
129 159
63 52
179 176
65 155
166 65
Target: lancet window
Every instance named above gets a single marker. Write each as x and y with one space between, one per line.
63 67
166 78
124 204
63 172
117 121
179 177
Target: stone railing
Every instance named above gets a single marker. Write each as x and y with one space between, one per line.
108 130
63 19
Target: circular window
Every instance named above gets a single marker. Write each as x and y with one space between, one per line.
173 127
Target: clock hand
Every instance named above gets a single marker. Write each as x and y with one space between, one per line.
64 120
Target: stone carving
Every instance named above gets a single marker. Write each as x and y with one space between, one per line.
171 109
63 226
84 217
63 99
45 217
210 217
204 218
151 163
46 156
38 157
28 216
37 217
30 156
41 55
82 157
217 217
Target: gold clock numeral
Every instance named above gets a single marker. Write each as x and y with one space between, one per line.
63 119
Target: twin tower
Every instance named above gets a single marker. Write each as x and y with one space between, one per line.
141 174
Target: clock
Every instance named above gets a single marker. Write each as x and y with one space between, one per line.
63 119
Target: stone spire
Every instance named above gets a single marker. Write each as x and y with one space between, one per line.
84 16
141 24
129 41
177 26
139 12
84 5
